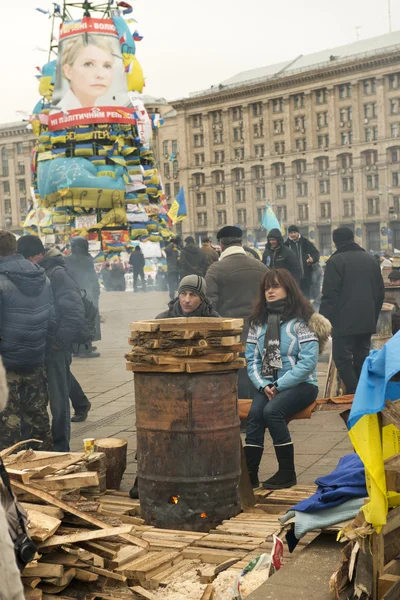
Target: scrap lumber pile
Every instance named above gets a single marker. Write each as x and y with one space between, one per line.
191 345
93 544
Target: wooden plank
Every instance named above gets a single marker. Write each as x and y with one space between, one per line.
200 367
74 538
208 574
41 526
108 574
99 550
221 357
67 482
86 576
146 567
208 592
150 326
147 368
392 473
142 593
385 584
7 451
209 555
31 582
170 574
392 521
391 413
125 555
393 593
56 460
51 511
61 558
35 569
32 594
61 581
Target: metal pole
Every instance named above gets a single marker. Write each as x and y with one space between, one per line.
390 17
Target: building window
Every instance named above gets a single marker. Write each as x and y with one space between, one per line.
370 110
303 212
22 186
300 123
257 109
348 208
373 207
174 144
167 172
394 130
238 174
372 182
322 119
345 115
239 153
218 136
301 144
6 187
220 197
260 214
199 178
219 157
168 190
260 193
259 150
7 207
345 91
237 134
324 186
369 86
346 138
258 172
4 161
197 120
396 204
221 217
394 81
346 161
279 147
371 134
348 184
373 237
396 179
322 164
201 199
325 208
394 155
300 166
19 148
258 130
216 116
277 105
282 214
199 159
394 106
240 195
302 189
321 96
323 141
177 187
165 148
298 100
280 191
218 177
242 216
278 169
198 140
370 157
202 219
22 204
279 127
236 113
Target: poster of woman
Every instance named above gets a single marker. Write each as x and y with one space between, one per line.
90 74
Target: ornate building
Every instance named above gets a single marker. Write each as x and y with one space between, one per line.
317 137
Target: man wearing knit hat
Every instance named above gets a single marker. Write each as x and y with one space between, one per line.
192 300
307 255
352 297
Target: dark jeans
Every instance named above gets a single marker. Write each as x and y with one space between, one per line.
305 287
59 380
173 282
272 414
136 275
349 353
78 397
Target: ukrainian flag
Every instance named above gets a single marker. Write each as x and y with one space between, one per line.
178 210
372 445
269 220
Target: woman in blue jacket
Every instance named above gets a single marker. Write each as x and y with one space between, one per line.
282 354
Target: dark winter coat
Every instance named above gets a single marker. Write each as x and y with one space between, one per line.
281 257
27 319
353 291
192 261
81 269
304 249
172 254
137 261
68 304
233 284
210 254
174 311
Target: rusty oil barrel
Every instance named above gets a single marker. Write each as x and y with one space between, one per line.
188 442
383 327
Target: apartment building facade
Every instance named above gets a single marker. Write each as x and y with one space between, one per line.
318 138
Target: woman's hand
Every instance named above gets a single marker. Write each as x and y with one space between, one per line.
270 392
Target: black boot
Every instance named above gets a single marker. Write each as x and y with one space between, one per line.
253 456
134 491
286 476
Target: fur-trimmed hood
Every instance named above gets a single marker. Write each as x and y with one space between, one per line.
321 327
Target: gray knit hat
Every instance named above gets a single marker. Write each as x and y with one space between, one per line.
195 284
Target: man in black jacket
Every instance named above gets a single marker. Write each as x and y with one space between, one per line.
277 256
137 262
27 326
172 251
192 261
70 315
352 297
307 255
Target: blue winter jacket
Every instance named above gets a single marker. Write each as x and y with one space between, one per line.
27 320
299 353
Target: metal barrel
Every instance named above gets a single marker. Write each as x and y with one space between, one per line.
383 328
188 442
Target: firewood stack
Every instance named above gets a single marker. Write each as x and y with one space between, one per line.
191 345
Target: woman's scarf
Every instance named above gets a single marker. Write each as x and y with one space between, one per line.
272 360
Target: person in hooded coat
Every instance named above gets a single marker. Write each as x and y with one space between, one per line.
307 255
70 316
80 266
278 256
27 328
192 261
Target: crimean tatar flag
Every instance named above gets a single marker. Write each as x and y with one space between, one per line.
178 210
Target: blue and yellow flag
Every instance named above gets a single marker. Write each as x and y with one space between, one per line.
178 210
374 388
269 221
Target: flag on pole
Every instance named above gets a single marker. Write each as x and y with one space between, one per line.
269 220
178 210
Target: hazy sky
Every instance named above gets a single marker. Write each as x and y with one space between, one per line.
191 45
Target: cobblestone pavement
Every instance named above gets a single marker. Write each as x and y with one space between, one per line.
319 442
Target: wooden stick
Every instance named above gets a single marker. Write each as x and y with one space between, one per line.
74 538
208 592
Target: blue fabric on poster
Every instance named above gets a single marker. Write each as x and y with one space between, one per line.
374 388
346 481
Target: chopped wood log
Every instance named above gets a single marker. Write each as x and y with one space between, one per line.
208 592
67 482
115 450
74 538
